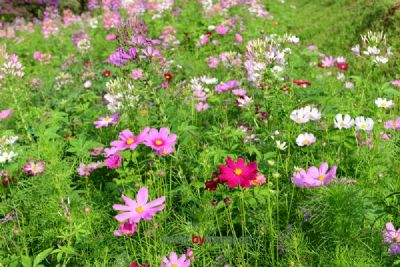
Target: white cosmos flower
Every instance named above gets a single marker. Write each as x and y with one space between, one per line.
305 139
364 124
346 122
383 103
305 114
7 156
281 146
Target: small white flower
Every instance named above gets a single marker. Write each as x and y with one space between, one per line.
11 140
305 139
340 76
341 60
364 124
281 146
87 84
7 156
244 101
372 51
380 60
384 103
314 114
349 85
211 27
356 49
346 122
293 39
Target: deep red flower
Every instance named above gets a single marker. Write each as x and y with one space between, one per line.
87 64
320 65
212 185
106 73
168 76
238 173
342 66
209 34
302 83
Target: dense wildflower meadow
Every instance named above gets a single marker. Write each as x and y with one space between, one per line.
200 133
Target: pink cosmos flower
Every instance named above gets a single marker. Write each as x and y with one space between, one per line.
396 83
314 177
137 74
160 140
221 29
390 234
138 209
128 140
201 106
114 161
174 261
393 124
213 62
33 168
5 114
328 62
237 173
239 92
164 84
238 38
106 121
260 179
126 229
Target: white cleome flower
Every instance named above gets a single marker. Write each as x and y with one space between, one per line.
347 122
305 139
364 124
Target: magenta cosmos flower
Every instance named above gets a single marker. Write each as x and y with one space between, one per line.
106 121
314 177
126 229
113 162
138 209
33 168
391 237
237 173
4 114
174 261
128 140
161 141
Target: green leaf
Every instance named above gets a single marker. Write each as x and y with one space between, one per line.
26 261
41 256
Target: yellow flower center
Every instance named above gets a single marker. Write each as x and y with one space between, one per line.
35 168
164 152
363 126
395 240
321 178
130 141
107 119
174 265
139 209
159 142
306 142
238 171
